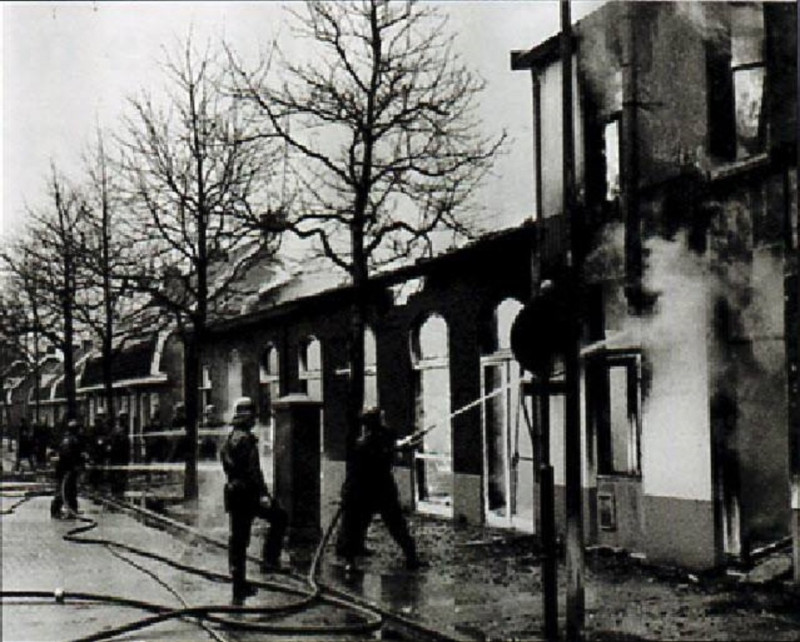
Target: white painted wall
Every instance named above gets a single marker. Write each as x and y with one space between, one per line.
552 177
676 434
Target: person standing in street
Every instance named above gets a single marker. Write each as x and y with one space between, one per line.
247 497
70 461
369 488
26 448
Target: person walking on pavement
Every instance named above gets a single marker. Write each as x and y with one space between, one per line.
247 497
369 488
70 460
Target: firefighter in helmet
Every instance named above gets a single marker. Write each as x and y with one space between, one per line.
247 497
70 461
369 488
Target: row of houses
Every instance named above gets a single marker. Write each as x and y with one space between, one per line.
686 168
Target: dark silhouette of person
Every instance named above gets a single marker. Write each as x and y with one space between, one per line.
26 448
70 461
369 488
119 447
179 444
247 497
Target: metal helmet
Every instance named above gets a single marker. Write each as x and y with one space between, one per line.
243 407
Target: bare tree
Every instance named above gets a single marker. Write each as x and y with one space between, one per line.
44 262
191 170
382 137
20 316
16 326
110 308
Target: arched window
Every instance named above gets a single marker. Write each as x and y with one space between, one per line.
507 445
205 387
504 316
310 368
234 380
370 369
433 475
268 389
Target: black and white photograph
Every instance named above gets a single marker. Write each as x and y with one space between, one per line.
435 320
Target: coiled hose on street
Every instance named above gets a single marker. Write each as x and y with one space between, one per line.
370 619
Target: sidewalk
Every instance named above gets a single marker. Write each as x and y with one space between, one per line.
36 558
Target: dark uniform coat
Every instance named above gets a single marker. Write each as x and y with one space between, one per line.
70 460
370 488
244 491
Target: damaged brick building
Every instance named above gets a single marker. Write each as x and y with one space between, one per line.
685 139
686 169
687 177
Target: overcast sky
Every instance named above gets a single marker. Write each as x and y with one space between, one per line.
69 65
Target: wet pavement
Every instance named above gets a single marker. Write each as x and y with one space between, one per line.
482 584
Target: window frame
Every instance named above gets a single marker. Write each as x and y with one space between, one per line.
599 410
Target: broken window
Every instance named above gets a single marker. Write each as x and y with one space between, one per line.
370 369
616 410
433 476
611 148
268 389
310 368
747 66
736 70
508 447
205 387
234 380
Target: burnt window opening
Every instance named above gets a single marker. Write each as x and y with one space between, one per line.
432 467
736 82
268 385
615 380
611 153
310 368
205 387
235 380
370 369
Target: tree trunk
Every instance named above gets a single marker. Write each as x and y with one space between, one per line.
69 363
192 348
37 376
108 329
356 339
108 382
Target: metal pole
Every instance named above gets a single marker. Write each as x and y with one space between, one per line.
572 459
547 521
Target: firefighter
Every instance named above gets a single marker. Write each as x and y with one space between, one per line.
70 461
369 488
247 497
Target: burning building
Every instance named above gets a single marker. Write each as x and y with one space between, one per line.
685 137
686 241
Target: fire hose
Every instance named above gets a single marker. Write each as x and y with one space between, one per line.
416 437
371 621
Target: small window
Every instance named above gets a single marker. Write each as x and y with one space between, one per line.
606 512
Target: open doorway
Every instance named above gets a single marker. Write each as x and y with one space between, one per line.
508 457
